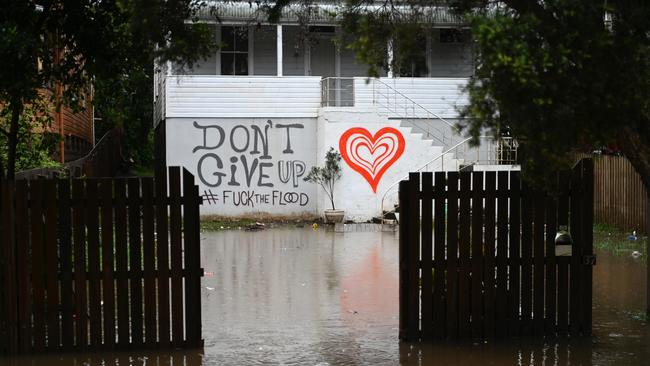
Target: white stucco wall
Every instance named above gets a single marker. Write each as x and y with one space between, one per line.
247 166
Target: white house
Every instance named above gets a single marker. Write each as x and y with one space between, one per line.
251 120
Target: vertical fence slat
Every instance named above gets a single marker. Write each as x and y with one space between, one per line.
464 300
176 255
24 285
94 281
514 289
551 267
108 245
427 255
121 264
192 262
135 261
526 259
575 274
52 258
162 259
452 255
414 257
38 263
9 319
563 264
502 256
80 289
149 254
538 261
489 270
65 243
587 224
477 255
403 260
439 307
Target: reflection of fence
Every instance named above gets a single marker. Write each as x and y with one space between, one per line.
337 92
99 264
478 257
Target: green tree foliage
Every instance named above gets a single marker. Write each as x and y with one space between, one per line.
104 41
327 175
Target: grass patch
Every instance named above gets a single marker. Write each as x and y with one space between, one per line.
225 224
619 242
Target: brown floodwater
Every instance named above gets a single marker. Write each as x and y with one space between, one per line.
298 296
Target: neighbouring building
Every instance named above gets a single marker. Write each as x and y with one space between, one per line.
251 120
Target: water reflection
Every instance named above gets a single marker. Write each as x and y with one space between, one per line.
314 297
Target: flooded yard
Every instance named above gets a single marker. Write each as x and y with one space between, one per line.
299 296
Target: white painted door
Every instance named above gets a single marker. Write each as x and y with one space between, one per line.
323 56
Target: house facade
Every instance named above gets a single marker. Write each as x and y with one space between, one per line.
251 120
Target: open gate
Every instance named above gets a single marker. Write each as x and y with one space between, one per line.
482 255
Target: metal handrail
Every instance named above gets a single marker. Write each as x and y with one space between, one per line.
331 95
413 105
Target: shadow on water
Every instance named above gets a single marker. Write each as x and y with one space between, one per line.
313 297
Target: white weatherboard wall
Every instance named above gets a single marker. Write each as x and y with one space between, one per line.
247 166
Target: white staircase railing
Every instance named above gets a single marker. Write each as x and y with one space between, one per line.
489 152
393 103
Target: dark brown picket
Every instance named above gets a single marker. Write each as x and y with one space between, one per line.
489 317
414 256
108 245
575 271
149 256
80 286
37 230
65 247
162 261
551 267
135 261
526 260
464 300
538 262
477 255
404 308
563 262
439 255
502 256
176 253
587 209
24 285
121 264
427 256
452 255
8 312
52 259
193 271
94 279
514 246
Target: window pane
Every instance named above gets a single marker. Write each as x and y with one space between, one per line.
241 39
241 64
227 64
227 39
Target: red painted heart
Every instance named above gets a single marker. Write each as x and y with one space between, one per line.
371 155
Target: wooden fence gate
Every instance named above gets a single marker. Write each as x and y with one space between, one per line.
99 264
478 256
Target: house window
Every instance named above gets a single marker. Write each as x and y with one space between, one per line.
234 51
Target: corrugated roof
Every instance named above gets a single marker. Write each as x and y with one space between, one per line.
321 13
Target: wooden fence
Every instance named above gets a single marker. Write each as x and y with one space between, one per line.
620 199
478 256
100 264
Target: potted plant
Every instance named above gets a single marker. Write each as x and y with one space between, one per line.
326 177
